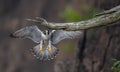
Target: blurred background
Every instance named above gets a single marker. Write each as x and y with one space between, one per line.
95 51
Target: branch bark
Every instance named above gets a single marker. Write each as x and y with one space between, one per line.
102 19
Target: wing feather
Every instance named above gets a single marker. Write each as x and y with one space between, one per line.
59 35
31 32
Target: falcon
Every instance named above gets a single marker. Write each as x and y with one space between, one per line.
45 50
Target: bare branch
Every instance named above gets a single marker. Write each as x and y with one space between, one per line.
117 8
103 19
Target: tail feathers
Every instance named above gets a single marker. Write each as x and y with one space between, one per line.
45 54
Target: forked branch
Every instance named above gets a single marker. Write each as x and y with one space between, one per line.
102 19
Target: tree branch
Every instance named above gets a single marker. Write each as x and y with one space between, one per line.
102 19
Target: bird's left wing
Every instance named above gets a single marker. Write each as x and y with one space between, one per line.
59 35
31 32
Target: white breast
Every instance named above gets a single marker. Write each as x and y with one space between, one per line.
45 37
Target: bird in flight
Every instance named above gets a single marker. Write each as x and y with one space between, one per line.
45 50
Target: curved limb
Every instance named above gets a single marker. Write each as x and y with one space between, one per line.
41 46
49 46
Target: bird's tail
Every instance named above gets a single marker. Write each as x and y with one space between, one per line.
46 53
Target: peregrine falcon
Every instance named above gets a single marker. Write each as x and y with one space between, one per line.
45 49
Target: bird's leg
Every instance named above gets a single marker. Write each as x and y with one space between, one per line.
41 46
49 46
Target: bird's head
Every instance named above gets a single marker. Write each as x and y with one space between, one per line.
46 32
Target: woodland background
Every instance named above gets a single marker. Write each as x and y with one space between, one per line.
93 52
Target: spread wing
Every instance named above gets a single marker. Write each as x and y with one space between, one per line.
31 32
59 35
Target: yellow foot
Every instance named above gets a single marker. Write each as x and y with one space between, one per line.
41 49
49 49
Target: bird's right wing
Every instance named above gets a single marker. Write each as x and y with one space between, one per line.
59 35
31 32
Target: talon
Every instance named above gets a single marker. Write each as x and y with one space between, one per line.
41 49
49 48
